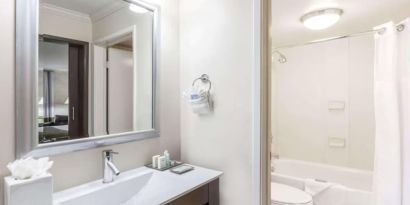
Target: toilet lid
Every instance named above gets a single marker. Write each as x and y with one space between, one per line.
288 195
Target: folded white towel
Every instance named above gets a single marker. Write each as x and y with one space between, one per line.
315 187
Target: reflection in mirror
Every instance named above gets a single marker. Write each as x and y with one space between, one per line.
53 91
95 69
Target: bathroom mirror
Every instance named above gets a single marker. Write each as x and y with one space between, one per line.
85 74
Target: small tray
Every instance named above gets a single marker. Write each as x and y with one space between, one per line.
182 169
165 168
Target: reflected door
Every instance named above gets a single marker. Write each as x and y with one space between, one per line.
78 89
63 89
120 75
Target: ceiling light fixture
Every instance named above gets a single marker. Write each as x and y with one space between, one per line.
321 19
137 9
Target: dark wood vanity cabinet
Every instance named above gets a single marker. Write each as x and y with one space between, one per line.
207 194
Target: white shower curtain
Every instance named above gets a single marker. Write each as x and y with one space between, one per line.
392 109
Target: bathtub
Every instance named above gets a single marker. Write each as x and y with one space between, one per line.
356 183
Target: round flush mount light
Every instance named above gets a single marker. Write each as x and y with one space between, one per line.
321 19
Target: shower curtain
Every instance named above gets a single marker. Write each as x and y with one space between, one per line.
391 184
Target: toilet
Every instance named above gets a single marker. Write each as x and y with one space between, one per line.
282 194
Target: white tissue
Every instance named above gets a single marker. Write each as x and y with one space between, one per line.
29 168
199 99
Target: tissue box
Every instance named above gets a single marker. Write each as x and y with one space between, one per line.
29 192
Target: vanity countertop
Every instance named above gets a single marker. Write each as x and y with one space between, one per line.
152 187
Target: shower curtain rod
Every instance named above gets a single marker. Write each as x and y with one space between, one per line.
331 38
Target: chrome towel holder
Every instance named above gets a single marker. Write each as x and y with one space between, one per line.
199 96
204 78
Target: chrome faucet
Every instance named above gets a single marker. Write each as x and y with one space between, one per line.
109 169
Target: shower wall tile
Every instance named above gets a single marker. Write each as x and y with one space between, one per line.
335 81
302 88
361 107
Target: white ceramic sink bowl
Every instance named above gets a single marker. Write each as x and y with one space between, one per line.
118 192
140 186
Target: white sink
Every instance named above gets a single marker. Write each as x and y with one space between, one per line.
118 192
139 186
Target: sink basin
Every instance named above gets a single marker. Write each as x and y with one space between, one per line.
118 192
141 186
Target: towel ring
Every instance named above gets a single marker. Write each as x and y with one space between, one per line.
204 79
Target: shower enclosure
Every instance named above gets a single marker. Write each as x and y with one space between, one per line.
322 118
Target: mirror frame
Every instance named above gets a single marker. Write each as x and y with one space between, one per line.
27 40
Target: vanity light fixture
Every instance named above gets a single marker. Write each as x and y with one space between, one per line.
321 19
137 9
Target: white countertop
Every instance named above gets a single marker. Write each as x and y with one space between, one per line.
161 188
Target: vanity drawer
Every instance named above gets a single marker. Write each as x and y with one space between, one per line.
204 195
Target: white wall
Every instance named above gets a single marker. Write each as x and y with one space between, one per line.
80 167
63 24
114 23
303 126
120 89
361 112
6 87
100 94
216 39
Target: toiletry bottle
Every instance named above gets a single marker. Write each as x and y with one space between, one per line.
155 161
167 158
161 162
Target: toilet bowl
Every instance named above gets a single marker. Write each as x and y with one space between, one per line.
282 194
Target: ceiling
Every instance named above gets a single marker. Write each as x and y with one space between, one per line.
359 15
83 6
